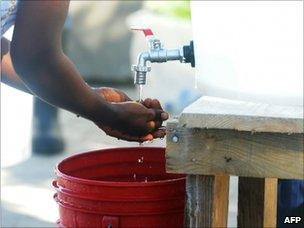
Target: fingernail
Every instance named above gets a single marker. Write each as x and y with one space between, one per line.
148 137
164 116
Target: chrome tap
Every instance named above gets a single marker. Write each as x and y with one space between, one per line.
158 54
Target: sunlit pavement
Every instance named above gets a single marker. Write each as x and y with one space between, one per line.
26 190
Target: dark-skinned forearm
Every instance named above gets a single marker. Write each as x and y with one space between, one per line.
59 83
38 59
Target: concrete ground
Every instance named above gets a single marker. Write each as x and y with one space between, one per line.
26 191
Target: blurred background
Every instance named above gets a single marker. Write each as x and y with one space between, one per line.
36 136
97 37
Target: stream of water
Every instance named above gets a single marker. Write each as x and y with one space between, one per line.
140 92
140 98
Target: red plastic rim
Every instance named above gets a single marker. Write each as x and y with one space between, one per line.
112 183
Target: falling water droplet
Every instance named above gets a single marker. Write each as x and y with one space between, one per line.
175 138
140 160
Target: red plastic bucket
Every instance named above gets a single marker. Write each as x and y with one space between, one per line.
121 187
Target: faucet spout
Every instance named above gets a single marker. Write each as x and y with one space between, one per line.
141 68
143 58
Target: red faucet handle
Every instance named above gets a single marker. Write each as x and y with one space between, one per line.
146 31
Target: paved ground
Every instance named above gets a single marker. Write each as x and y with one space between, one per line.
26 192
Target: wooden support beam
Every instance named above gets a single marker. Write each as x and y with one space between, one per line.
270 202
258 142
220 201
250 202
257 202
207 201
231 152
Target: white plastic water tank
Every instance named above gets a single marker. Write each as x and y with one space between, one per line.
249 50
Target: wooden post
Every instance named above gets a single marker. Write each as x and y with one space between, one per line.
257 202
207 201
270 202
220 201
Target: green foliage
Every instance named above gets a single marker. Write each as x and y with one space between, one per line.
177 9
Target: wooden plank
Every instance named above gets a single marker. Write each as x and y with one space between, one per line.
219 113
220 201
206 201
257 202
250 202
270 202
214 151
192 201
198 201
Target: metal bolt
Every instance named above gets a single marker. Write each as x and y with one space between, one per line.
175 138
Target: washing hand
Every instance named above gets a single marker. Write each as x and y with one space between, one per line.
133 121
159 130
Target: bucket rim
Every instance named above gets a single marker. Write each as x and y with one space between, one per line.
70 207
69 193
60 174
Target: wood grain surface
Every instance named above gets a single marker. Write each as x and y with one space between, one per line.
219 113
231 152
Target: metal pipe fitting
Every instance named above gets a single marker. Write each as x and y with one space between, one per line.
157 54
141 69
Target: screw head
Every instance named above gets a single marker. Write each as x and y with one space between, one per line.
175 138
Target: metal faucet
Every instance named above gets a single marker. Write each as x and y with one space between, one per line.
157 54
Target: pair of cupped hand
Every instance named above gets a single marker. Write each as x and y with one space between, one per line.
133 121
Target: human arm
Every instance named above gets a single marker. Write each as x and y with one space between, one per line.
10 77
39 60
